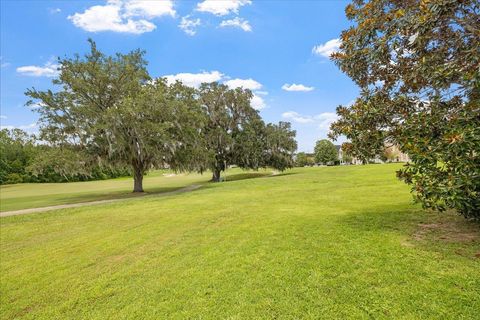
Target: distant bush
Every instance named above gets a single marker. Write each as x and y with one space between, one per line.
12 178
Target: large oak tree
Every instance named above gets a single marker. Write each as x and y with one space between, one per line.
108 108
231 124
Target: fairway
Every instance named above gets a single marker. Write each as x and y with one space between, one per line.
311 243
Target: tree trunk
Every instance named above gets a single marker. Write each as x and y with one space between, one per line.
216 175
137 179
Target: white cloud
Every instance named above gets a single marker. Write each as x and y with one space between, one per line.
189 25
237 23
296 117
244 83
257 102
3 117
327 48
50 69
296 87
263 93
325 119
322 120
32 127
221 7
129 16
148 8
195 79
55 10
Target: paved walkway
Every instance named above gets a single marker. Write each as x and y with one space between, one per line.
91 203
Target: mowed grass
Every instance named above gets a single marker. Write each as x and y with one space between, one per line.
33 195
313 243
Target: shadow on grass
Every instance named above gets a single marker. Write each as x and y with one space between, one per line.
245 176
120 195
445 232
254 175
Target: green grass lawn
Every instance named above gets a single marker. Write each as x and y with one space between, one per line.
33 195
332 242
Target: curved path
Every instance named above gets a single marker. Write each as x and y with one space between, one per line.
91 203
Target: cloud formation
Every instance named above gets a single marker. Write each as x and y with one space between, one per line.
244 83
195 79
50 69
31 128
222 7
257 102
237 23
296 87
322 120
189 25
327 48
296 117
127 16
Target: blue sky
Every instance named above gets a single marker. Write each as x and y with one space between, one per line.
266 46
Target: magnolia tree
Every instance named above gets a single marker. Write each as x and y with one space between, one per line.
417 64
108 109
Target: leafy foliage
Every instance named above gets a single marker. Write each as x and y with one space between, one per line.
230 126
236 135
280 146
17 150
109 108
108 111
416 63
23 159
325 152
302 159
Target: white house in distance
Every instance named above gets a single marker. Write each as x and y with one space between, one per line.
392 154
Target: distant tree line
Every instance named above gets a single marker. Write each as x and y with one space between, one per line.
23 159
107 112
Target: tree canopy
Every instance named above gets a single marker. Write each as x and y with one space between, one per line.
417 65
325 152
302 159
109 109
230 126
235 134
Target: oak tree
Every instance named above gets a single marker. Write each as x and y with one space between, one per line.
108 108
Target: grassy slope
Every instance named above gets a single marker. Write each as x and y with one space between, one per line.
337 242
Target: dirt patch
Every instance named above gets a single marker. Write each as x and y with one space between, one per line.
448 231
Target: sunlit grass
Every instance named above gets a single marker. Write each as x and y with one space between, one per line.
332 242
